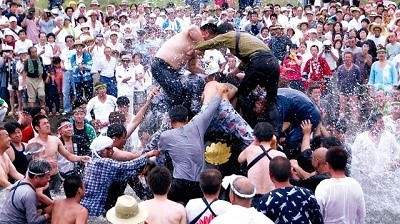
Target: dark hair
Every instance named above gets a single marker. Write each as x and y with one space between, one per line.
41 33
30 49
210 27
117 117
78 102
69 7
210 181
314 46
178 114
264 28
373 118
116 130
10 127
71 185
36 120
159 180
311 88
35 111
263 131
336 157
329 142
274 15
56 60
62 120
69 37
225 28
50 35
280 168
21 31
123 101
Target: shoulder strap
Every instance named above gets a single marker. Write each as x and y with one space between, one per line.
259 157
237 38
14 189
208 207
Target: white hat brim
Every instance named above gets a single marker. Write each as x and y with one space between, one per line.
140 217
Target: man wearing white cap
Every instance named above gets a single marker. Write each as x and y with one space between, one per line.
103 170
312 33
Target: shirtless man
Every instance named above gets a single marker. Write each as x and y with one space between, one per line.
6 166
174 54
160 181
76 213
52 146
258 171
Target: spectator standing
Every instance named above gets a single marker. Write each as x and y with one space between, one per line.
33 69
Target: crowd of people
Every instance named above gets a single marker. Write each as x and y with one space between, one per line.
210 114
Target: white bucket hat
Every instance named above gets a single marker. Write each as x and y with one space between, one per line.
127 211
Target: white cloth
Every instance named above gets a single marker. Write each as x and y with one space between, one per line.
212 60
341 200
195 206
107 67
48 52
241 215
65 56
101 110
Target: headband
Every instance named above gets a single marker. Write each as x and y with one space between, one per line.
34 152
100 86
66 124
240 194
38 174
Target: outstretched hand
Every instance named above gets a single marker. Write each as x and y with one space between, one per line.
153 91
306 127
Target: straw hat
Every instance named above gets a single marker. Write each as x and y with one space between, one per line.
127 210
372 26
78 42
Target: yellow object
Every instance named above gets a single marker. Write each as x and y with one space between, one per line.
218 153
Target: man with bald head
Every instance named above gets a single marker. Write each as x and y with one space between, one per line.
287 203
242 191
311 180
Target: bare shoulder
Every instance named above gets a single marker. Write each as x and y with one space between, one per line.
275 152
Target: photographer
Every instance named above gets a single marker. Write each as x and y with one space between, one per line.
330 54
46 22
81 67
9 80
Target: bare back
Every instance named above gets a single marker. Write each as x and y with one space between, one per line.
259 173
67 212
178 50
167 212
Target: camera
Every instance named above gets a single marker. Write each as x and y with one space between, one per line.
327 47
48 14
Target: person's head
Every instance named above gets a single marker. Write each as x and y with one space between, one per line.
336 157
69 41
101 89
314 50
73 186
117 117
242 191
279 169
34 150
123 103
22 34
375 123
179 114
314 92
209 31
225 28
64 128
159 180
352 42
348 58
39 172
263 132
117 132
41 124
14 130
318 157
394 110
4 139
42 37
102 147
381 54
210 181
32 52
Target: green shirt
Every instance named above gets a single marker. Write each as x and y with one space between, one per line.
248 44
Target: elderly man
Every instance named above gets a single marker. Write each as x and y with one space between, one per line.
103 170
33 69
21 203
241 193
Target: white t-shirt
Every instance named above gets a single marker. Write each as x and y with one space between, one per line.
341 200
196 206
212 60
241 215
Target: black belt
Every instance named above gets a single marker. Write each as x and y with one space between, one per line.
187 182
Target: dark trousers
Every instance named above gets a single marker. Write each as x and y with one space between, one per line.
52 97
84 87
262 70
183 190
115 190
111 85
168 78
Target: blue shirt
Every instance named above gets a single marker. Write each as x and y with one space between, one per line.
98 177
291 205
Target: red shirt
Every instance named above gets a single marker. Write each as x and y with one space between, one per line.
294 75
27 134
318 69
